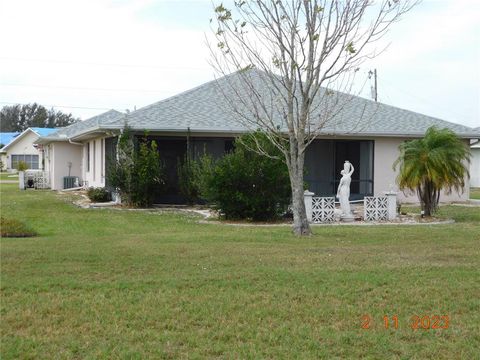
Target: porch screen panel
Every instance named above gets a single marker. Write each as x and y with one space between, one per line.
319 167
324 159
110 157
366 167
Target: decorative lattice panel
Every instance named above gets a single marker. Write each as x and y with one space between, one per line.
375 208
323 209
41 180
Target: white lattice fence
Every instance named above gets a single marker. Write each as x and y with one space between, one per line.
41 179
323 209
375 208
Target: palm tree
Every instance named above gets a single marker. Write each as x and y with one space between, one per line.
435 162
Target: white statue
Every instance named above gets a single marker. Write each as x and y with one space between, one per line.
343 192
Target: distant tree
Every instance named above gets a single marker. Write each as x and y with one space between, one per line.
20 117
428 165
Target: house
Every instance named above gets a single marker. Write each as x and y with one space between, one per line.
475 162
364 132
78 150
22 147
5 138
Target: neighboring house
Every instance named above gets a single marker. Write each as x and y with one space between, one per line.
23 148
79 150
366 133
5 138
475 163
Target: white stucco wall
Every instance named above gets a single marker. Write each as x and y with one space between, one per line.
24 146
3 159
385 154
59 155
95 173
475 167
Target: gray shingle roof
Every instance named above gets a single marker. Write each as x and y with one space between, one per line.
77 128
204 108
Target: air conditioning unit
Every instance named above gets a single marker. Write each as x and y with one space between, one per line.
70 182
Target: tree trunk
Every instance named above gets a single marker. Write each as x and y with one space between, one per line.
301 227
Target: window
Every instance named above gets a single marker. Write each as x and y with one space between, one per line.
30 160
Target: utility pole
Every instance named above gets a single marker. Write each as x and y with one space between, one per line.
374 87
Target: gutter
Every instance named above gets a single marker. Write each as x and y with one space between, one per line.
111 129
74 143
234 132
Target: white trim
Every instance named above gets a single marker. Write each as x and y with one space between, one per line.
18 137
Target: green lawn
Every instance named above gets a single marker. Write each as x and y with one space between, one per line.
134 285
475 193
5 176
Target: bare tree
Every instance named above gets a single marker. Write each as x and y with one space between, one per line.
295 64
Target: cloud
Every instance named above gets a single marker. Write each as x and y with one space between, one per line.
433 63
91 45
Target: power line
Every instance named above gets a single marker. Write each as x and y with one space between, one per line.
85 88
104 64
58 106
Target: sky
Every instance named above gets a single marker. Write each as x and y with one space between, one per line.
86 57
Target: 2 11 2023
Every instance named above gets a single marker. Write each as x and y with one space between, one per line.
416 322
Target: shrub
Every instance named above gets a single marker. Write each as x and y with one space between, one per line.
15 228
137 174
148 176
247 185
186 170
98 194
22 166
192 176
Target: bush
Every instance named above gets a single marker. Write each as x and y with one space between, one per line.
22 166
186 170
246 185
192 176
98 194
148 176
15 228
137 174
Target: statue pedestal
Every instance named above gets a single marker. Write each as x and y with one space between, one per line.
308 199
391 204
347 218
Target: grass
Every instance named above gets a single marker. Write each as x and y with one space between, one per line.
14 228
111 284
475 193
6 176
